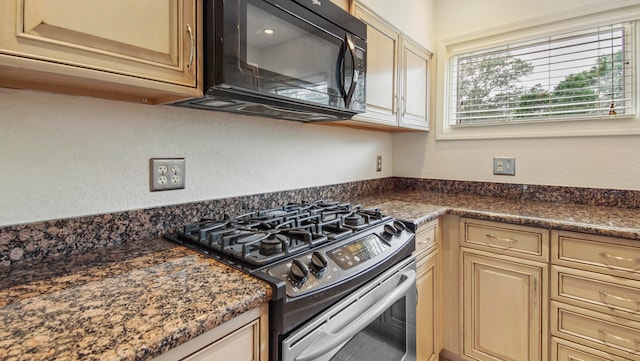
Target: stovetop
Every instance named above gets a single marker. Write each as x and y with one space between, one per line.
266 236
304 249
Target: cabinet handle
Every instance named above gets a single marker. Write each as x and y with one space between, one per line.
604 334
428 240
404 106
192 52
502 239
535 291
618 258
606 295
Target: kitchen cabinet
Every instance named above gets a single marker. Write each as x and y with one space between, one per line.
397 77
504 295
243 338
143 51
595 296
428 285
563 350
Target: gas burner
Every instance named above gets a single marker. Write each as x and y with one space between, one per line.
265 236
354 219
271 246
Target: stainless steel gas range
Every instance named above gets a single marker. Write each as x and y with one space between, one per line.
342 277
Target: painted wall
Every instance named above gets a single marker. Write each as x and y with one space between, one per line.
600 162
67 156
413 17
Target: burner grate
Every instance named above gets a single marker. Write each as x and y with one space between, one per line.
265 236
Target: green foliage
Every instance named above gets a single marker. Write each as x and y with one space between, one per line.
491 87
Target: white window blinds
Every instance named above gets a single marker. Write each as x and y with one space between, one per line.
579 75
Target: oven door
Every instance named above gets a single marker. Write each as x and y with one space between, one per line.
375 323
283 49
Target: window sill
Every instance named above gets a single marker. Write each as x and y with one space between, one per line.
622 125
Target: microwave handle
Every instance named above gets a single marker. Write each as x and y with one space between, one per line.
351 49
348 46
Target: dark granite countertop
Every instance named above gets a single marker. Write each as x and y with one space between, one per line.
421 207
127 302
136 300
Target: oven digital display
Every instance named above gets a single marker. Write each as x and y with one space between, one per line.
357 252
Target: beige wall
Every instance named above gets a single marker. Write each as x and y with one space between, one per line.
412 17
601 162
67 156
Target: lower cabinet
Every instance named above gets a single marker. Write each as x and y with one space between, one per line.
519 293
428 286
503 296
503 307
562 350
243 338
595 308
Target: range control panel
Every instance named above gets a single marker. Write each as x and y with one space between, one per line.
335 262
359 251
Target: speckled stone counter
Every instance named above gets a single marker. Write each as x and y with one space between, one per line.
83 288
420 207
126 302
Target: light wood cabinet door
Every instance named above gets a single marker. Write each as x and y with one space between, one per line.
132 44
415 84
428 310
382 77
504 307
397 77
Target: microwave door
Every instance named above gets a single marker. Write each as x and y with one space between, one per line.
282 54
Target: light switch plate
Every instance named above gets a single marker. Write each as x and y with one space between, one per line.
166 173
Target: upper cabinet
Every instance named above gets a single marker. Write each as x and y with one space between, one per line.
397 77
142 50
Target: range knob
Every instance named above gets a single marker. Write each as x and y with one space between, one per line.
394 228
399 226
319 262
298 271
390 230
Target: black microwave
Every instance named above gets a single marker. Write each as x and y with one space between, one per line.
301 60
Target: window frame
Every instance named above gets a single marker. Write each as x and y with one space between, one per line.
627 124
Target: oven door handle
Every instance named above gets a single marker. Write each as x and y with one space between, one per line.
329 341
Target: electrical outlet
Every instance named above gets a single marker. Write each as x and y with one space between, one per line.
504 166
379 164
166 173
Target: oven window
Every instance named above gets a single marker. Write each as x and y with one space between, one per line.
385 339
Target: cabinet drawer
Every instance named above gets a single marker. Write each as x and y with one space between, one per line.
604 293
562 350
614 256
519 241
608 333
425 239
242 345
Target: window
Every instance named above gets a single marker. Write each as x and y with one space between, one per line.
578 75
